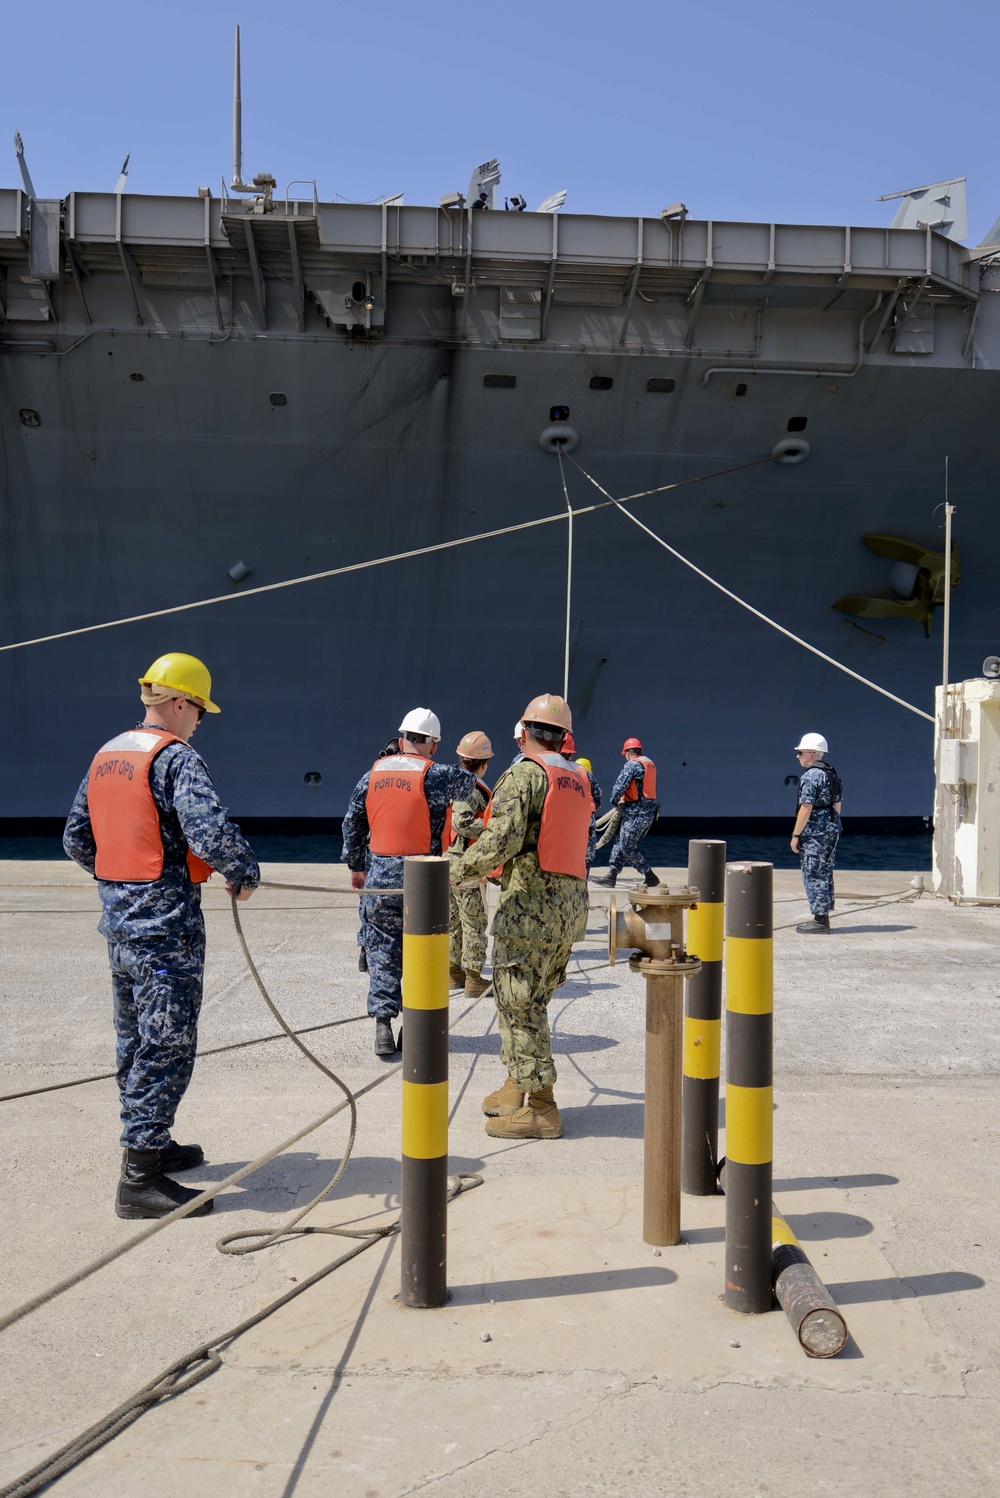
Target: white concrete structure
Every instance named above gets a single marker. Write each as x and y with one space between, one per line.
967 793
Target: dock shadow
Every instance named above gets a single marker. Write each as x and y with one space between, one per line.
843 1183
605 1121
913 1287
861 930
820 1227
552 1286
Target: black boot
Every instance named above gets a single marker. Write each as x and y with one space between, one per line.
181 1156
144 1191
816 926
652 879
609 879
384 1043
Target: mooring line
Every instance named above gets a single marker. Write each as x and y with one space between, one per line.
797 639
399 556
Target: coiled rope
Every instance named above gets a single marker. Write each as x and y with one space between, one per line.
201 1361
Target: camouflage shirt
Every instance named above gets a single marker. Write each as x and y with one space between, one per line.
467 820
535 907
191 816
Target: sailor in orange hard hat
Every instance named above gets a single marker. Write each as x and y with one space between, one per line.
635 792
538 827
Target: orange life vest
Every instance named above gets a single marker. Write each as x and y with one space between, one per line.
399 818
448 836
566 813
648 782
123 814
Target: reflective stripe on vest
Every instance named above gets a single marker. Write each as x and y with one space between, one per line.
124 816
648 782
399 818
566 813
448 835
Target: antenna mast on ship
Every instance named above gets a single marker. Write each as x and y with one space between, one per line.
237 184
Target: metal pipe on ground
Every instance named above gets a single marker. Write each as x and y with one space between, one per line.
423 1221
749 930
703 1019
802 1295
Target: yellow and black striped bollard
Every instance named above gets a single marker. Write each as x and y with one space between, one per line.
749 1089
423 1223
703 1019
802 1295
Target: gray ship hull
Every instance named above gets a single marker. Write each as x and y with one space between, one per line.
133 495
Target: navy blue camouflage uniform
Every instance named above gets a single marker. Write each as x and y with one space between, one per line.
637 818
818 840
598 795
382 916
156 939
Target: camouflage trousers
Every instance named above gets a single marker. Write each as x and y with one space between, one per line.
381 935
522 992
467 947
591 846
637 819
157 990
818 851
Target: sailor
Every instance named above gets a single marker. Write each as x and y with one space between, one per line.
598 795
464 823
396 809
482 202
392 747
148 825
519 742
635 792
817 829
539 820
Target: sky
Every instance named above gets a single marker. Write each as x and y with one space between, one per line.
766 111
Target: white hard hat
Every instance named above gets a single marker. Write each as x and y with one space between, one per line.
421 720
518 731
814 741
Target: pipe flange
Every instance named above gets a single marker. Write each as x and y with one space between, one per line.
791 450
559 437
658 967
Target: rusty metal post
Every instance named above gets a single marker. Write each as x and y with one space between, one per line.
655 925
749 1089
703 1019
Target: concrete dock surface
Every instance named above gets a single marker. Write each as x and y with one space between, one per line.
572 1358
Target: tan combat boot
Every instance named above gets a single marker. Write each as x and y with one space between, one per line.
505 1101
456 977
475 984
538 1119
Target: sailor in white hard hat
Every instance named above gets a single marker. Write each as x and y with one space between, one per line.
396 809
817 828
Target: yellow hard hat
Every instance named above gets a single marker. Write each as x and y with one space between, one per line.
475 745
184 674
553 711
584 763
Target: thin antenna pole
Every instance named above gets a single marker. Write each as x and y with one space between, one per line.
237 119
569 573
949 510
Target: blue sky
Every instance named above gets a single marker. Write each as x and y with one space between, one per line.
774 110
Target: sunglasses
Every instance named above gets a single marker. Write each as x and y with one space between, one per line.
421 738
201 711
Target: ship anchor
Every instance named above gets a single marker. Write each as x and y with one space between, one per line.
917 580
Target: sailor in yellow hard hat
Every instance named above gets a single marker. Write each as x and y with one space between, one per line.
148 825
598 795
466 819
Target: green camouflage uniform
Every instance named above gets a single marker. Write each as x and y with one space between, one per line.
468 906
539 917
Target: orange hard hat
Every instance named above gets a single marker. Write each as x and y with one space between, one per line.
474 745
552 711
569 744
631 744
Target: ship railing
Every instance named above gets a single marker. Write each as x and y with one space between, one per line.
293 206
